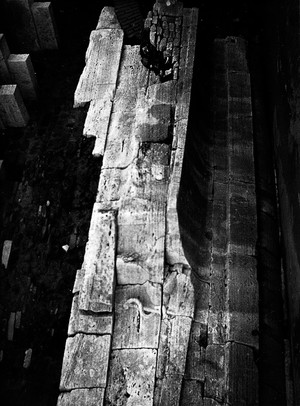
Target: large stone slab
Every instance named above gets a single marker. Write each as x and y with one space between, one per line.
102 66
131 377
137 316
82 397
97 287
84 322
85 362
13 112
45 24
22 73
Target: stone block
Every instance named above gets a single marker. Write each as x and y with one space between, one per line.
22 31
131 377
108 19
98 284
82 397
85 362
137 316
5 77
45 25
13 112
84 322
22 73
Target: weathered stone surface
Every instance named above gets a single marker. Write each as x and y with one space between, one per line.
5 77
82 397
178 292
154 113
122 142
174 337
97 288
167 391
83 322
45 24
206 363
137 316
131 377
141 191
141 241
108 19
13 112
85 362
22 73
102 66
96 123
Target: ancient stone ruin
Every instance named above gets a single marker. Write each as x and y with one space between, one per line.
162 315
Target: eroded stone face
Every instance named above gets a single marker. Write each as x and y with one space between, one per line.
137 316
82 397
131 377
85 362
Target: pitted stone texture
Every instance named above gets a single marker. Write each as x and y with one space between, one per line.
82 397
137 316
83 322
85 362
97 288
131 377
